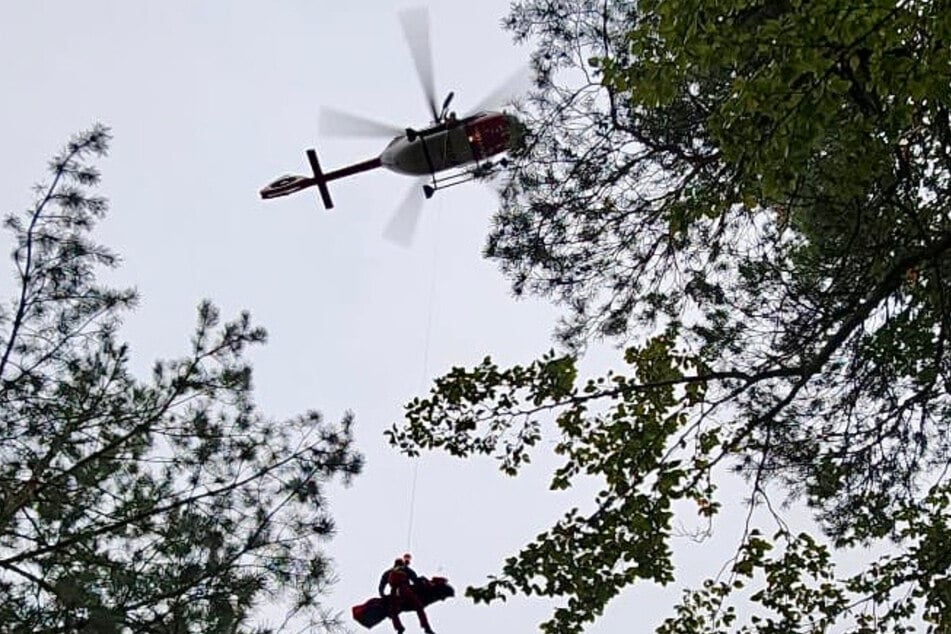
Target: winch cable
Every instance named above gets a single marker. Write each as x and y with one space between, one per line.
424 377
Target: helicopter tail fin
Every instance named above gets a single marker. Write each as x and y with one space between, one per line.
319 179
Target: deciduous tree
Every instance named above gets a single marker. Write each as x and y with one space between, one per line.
754 198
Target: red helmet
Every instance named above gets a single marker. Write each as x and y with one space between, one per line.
407 558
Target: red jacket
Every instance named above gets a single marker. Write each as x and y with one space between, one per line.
396 577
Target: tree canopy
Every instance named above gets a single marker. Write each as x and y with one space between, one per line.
753 198
170 504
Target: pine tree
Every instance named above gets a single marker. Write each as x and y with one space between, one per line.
166 504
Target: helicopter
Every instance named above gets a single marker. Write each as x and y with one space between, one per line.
449 151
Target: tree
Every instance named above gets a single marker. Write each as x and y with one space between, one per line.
754 198
162 505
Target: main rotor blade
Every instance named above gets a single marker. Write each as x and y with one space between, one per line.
337 123
401 229
515 85
415 23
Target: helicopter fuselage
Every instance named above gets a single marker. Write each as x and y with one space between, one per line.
448 144
451 144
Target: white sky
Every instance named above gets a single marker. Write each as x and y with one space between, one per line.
209 101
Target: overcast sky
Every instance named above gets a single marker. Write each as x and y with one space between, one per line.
209 101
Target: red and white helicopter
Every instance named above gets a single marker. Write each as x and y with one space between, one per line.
450 151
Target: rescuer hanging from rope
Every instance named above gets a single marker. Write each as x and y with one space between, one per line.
401 579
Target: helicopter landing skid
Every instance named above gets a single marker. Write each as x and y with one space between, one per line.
482 170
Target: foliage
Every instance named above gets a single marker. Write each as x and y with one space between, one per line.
754 198
166 505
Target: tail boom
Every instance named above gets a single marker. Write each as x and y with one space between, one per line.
290 183
321 179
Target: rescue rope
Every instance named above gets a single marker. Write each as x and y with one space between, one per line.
412 506
424 377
